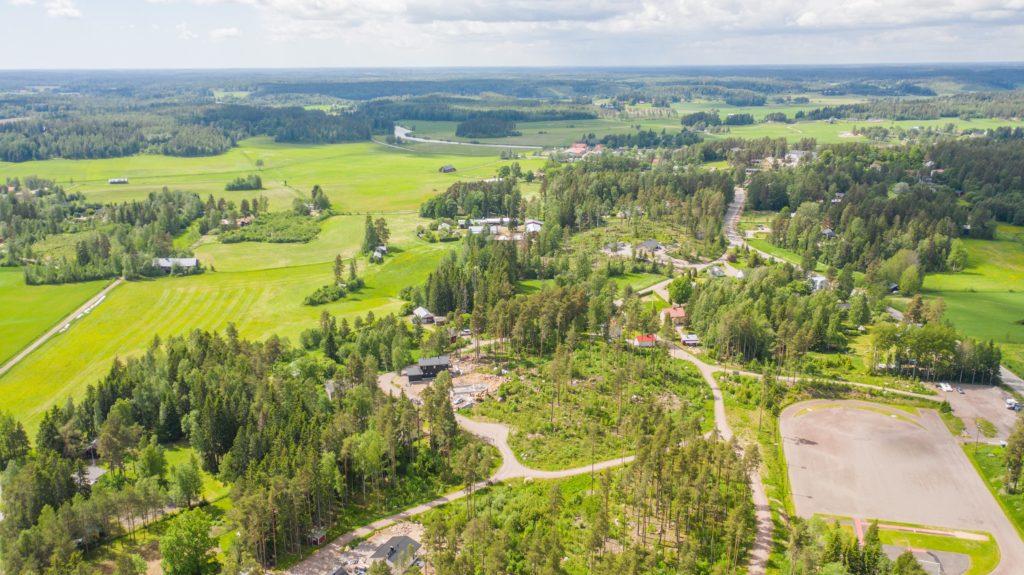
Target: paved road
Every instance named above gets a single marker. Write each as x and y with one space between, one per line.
403 133
60 325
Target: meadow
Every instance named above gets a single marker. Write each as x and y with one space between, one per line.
986 300
362 177
27 312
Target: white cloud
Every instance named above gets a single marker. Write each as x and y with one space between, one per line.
224 33
184 32
62 9
21 2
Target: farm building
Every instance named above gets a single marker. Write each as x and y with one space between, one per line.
645 340
117 181
399 552
423 314
447 169
169 264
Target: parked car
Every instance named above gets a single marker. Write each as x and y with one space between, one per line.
959 390
945 387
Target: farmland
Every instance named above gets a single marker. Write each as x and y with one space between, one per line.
258 302
985 300
357 177
26 312
563 133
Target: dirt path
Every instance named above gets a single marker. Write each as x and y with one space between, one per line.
93 301
762 510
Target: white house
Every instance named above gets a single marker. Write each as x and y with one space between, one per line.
533 226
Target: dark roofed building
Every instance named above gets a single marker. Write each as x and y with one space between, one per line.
427 368
447 169
398 552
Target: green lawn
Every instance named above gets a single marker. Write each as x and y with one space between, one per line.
27 312
357 177
259 303
986 300
984 554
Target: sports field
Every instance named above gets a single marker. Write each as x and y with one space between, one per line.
357 177
986 300
27 312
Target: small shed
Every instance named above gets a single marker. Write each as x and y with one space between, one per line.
447 169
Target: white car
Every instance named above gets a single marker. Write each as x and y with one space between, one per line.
945 387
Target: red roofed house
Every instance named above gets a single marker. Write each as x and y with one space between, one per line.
577 150
676 314
645 340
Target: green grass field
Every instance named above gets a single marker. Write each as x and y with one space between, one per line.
986 300
260 302
988 461
357 177
27 312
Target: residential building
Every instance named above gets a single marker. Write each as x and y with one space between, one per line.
399 552
423 314
645 341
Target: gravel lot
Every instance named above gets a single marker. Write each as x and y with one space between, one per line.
869 461
985 401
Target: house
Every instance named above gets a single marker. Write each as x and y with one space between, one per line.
676 314
170 264
476 230
828 233
576 150
91 475
113 181
399 552
447 169
794 157
690 340
533 226
423 314
818 282
645 341
650 247
427 368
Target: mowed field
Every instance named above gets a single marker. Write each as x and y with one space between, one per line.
259 287
259 302
26 312
986 300
564 133
357 177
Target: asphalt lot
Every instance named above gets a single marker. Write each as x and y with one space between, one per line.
986 401
872 461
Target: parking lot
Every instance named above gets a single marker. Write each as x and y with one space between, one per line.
866 460
986 401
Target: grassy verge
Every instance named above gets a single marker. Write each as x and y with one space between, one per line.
988 461
954 424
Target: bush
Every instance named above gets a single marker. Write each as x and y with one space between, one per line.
250 182
325 294
275 228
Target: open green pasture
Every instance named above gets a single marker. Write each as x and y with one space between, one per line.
357 177
27 312
258 302
986 300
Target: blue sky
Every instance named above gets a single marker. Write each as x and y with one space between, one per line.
369 33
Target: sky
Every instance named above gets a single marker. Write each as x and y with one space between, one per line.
151 34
